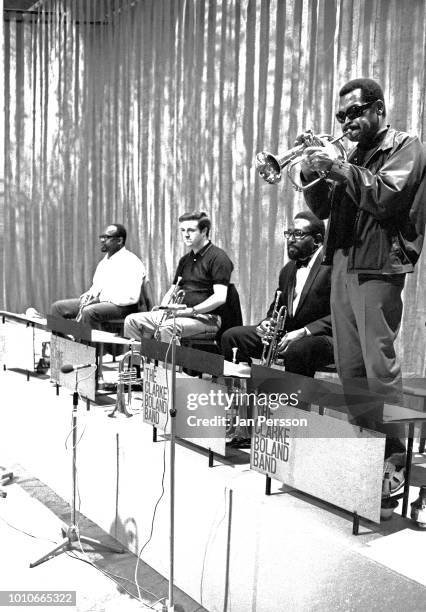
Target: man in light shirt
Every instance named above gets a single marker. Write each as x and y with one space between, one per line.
305 291
116 284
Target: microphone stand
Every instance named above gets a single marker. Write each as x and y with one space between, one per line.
72 533
170 603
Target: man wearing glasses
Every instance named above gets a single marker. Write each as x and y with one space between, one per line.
305 291
375 203
116 284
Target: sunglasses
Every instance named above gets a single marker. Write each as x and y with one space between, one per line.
353 112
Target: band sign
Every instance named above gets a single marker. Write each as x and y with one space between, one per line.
156 395
269 444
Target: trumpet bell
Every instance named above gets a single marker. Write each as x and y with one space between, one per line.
268 167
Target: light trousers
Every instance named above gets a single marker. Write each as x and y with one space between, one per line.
144 324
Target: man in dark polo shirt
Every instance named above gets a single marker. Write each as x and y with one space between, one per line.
203 274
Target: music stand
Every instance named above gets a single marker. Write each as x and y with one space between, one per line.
72 533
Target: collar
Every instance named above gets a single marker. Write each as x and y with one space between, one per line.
387 141
308 263
122 250
385 144
201 252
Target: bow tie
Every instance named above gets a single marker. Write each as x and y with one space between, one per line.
302 264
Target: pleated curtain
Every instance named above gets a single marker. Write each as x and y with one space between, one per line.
134 111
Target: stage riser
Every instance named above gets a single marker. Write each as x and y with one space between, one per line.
267 553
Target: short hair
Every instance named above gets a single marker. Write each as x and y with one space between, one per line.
317 226
120 231
204 221
371 90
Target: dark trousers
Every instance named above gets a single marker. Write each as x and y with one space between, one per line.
94 314
366 313
303 356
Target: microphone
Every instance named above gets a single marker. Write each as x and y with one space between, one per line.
69 367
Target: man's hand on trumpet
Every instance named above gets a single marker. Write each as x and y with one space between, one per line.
290 337
264 328
317 160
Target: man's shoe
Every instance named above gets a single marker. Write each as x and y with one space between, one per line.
396 476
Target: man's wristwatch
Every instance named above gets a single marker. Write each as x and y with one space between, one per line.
193 312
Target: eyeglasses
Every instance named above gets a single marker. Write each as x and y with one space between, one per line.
353 112
297 234
106 237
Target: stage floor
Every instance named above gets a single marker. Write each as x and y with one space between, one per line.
236 549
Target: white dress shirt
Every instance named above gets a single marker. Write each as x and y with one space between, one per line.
118 279
301 277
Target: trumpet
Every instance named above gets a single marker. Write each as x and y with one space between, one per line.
271 339
125 377
269 166
176 298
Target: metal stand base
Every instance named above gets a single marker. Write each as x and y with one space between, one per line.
120 412
72 535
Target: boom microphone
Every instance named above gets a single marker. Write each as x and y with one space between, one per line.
69 367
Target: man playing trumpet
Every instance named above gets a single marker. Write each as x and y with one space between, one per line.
203 274
305 291
375 203
116 284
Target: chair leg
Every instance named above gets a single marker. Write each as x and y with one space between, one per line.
423 431
100 365
422 438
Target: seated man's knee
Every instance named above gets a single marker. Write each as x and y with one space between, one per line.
131 330
295 358
293 353
56 309
227 336
65 308
228 341
137 325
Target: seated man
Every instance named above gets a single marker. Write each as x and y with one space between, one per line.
203 274
116 284
305 285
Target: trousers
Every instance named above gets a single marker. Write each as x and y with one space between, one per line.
144 325
303 356
92 315
366 311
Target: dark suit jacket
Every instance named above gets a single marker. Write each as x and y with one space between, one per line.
313 310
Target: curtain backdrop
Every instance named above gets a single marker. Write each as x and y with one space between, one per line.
135 111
